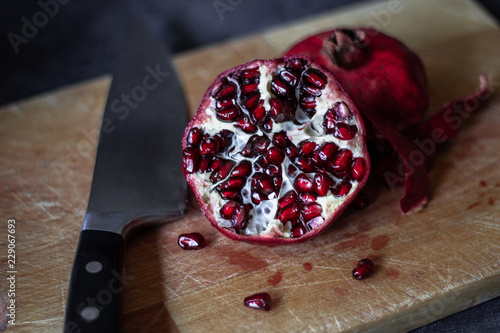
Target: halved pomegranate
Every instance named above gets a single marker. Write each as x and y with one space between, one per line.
276 151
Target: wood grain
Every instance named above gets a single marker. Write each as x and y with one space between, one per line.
430 264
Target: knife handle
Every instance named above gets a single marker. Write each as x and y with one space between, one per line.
97 281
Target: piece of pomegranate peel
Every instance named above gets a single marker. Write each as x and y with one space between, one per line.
283 169
388 84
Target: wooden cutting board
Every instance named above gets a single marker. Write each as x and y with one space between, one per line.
430 264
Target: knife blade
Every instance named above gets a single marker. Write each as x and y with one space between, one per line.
137 178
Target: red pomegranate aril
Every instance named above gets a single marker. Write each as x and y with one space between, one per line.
258 113
191 241
292 169
275 155
310 211
277 181
363 269
194 136
316 78
267 125
265 184
224 169
215 164
310 90
358 169
341 112
306 148
298 231
340 163
304 164
305 198
287 199
302 183
325 153
289 77
342 189
250 102
209 146
296 64
279 88
231 195
225 104
329 121
242 169
322 183
281 110
232 183
289 213
344 131
274 170
246 125
250 87
204 164
190 160
361 201
226 90
260 301
250 74
235 213
228 115
280 139
262 144
307 102
291 151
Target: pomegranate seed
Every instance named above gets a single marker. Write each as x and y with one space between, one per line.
358 169
289 77
291 151
275 155
306 148
225 104
344 131
305 198
267 127
226 90
190 160
361 201
298 231
215 164
209 146
246 125
204 164
304 164
341 162
302 183
325 153
277 181
194 136
250 87
232 183
289 213
280 110
316 78
307 102
279 88
228 115
274 170
311 211
264 185
261 144
287 198
192 241
280 139
250 74
231 195
312 91
342 189
235 213
222 140
322 183
257 198
223 170
250 102
258 113
296 64
329 121
243 169
291 169
341 111
363 269
260 301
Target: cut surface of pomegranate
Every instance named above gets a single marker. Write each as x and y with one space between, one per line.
388 84
276 151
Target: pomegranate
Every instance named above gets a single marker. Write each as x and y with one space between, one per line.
387 82
276 151
363 269
260 301
191 241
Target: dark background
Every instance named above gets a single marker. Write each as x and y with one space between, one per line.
80 40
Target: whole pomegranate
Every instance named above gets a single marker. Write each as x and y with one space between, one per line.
276 151
387 82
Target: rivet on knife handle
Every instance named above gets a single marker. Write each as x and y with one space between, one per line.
94 303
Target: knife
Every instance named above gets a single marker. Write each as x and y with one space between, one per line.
137 179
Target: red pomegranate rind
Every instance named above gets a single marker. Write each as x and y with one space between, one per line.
282 142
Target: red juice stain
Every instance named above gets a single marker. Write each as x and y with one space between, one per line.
359 240
379 242
491 201
475 204
392 273
307 266
482 183
243 259
341 291
275 279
